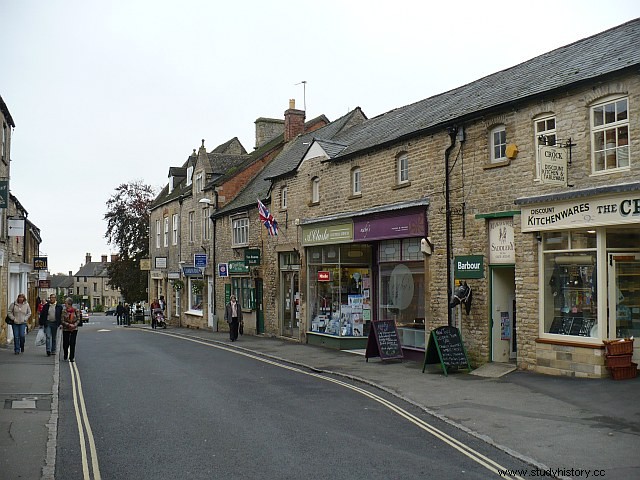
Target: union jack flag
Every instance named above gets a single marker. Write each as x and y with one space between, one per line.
267 219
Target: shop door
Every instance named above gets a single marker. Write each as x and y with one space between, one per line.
624 298
503 313
259 308
290 305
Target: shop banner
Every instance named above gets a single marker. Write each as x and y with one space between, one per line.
616 209
326 234
469 266
397 226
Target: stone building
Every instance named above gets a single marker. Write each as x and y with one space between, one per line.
527 184
6 127
91 283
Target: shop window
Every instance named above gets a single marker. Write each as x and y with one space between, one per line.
241 288
340 290
196 295
570 284
390 251
610 135
545 134
402 291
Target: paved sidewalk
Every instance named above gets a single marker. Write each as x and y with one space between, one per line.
554 423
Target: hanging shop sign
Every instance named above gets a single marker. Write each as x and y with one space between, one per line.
396 226
44 283
156 275
190 271
238 266
40 263
200 260
173 275
553 165
469 266
145 264
325 234
501 241
4 193
617 209
252 256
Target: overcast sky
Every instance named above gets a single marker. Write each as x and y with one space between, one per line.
106 92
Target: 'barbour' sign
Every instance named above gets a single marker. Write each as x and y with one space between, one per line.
469 266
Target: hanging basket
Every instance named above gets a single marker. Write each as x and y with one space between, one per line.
178 285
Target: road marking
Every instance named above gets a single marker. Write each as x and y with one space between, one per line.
82 418
466 450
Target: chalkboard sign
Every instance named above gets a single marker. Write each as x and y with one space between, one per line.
383 341
445 347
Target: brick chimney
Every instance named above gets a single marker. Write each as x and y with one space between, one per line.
293 121
114 257
70 273
104 259
87 258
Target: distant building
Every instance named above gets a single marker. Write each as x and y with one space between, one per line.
91 282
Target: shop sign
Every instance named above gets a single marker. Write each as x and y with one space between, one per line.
145 264
324 234
398 226
553 165
223 270
190 271
324 276
613 210
252 256
238 266
40 263
156 275
501 241
4 193
16 227
200 260
161 262
469 266
44 283
173 275
43 275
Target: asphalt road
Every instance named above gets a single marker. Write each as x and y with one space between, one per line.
152 405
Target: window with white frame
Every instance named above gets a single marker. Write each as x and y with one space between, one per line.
189 175
315 190
5 141
240 231
192 226
355 181
196 287
174 229
545 134
402 168
498 143
166 231
158 233
283 198
199 182
205 224
610 135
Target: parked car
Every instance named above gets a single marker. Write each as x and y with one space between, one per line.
110 311
85 316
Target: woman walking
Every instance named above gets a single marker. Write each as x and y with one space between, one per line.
70 319
19 313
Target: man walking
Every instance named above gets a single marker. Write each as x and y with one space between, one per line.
120 314
51 319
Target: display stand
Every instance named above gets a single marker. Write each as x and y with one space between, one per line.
383 341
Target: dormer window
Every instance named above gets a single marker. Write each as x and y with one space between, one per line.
199 182
171 183
189 175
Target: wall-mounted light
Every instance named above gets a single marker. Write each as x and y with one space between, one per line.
539 236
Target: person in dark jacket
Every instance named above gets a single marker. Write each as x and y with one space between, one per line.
120 314
50 320
233 316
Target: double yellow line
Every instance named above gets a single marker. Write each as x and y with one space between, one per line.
84 428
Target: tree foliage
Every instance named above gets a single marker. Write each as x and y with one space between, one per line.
128 229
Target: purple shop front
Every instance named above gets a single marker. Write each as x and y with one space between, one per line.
386 227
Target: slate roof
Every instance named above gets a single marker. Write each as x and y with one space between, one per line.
286 162
602 54
61 281
92 269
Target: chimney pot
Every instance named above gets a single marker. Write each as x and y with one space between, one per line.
104 259
292 103
87 258
293 121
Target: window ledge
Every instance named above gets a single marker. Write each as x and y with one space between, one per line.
571 343
501 163
354 196
312 204
610 171
401 185
195 313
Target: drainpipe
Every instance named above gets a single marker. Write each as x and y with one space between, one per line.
453 131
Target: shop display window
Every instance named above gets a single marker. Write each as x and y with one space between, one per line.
570 284
340 289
